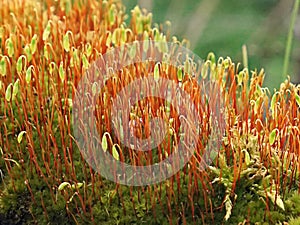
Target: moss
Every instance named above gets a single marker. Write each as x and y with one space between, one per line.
294 221
293 203
48 181
15 204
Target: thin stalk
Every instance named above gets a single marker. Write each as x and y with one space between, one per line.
290 39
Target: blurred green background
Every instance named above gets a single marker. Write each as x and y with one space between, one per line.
224 26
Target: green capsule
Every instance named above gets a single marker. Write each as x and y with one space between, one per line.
163 44
20 136
46 53
104 143
257 104
115 36
108 39
89 49
123 35
112 14
10 47
211 57
76 186
33 44
8 92
132 51
16 88
68 6
28 52
272 136
20 64
66 42
179 75
28 74
259 90
3 66
156 71
71 61
146 41
75 57
240 78
63 185
47 31
187 67
61 71
85 62
139 26
156 34
52 66
115 153
247 157
273 103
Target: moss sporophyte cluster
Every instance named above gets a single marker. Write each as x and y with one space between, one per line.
46 47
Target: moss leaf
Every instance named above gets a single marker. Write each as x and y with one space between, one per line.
228 207
278 199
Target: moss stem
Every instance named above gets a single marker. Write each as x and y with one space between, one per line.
290 39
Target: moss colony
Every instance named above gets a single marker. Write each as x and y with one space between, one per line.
45 48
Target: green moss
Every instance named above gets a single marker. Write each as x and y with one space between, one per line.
294 221
14 203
